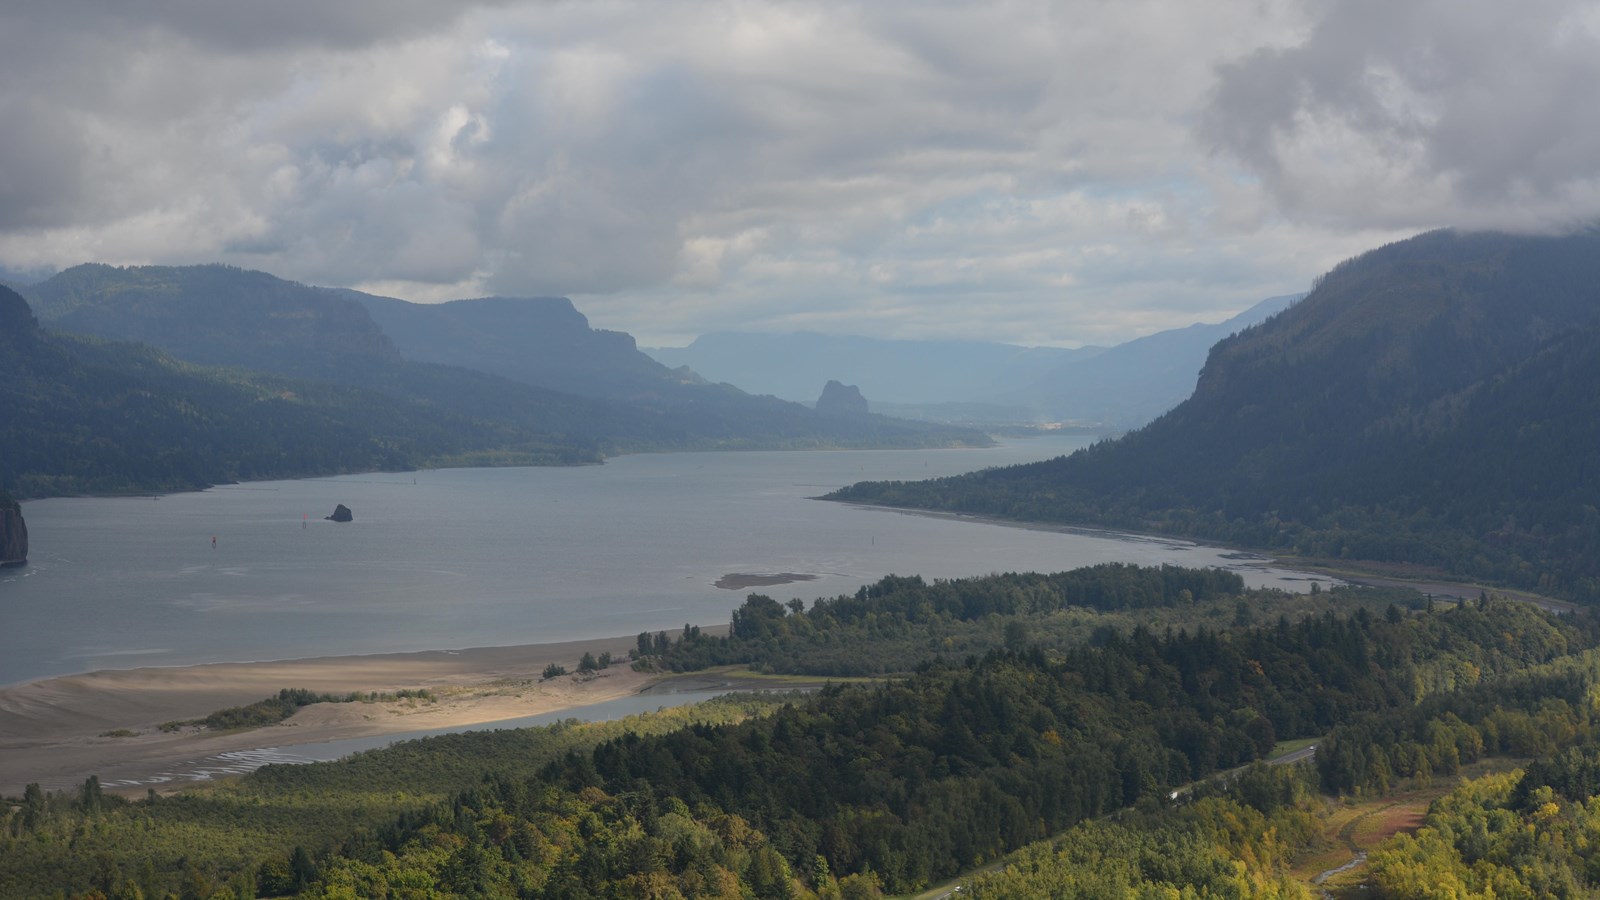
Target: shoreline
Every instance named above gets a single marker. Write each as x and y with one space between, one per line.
59 731
1350 571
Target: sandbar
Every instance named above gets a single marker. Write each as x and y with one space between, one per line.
738 581
59 731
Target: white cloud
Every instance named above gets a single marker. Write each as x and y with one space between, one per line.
1018 170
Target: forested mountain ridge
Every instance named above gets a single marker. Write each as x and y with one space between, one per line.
543 341
220 315
215 315
1432 401
546 342
896 785
87 415
1132 383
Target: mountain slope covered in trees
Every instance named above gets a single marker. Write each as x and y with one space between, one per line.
899 784
546 342
542 341
525 365
1132 383
1434 401
87 415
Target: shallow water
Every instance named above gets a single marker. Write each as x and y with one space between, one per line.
240 762
488 557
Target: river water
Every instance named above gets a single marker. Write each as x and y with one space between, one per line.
487 557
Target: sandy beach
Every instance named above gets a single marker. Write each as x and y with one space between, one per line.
59 731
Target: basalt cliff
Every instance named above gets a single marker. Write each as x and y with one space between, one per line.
13 533
17 327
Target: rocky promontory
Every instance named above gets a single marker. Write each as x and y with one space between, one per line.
341 513
841 400
13 532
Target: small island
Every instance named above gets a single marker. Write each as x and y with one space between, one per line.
341 513
738 581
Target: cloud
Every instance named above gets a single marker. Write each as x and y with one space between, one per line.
1020 170
1417 114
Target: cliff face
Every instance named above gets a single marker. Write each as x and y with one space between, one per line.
841 400
17 329
542 341
16 317
13 533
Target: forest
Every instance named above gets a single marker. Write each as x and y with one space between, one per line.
88 415
1455 431
83 415
901 622
887 787
155 378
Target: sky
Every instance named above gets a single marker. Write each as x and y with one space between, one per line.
1061 173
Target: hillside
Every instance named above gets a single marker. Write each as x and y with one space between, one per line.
222 316
546 342
541 341
89 415
1432 401
525 365
203 313
1129 385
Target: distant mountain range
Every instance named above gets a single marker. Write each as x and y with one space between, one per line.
984 383
792 366
494 380
1435 401
1130 384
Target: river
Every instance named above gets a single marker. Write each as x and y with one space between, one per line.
489 557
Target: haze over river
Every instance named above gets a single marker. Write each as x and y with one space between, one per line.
458 558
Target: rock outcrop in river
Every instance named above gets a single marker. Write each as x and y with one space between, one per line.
341 513
13 533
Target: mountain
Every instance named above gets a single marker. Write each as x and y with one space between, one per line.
216 315
17 322
1117 388
1435 401
223 316
562 380
903 372
542 341
546 342
841 400
80 414
1130 384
